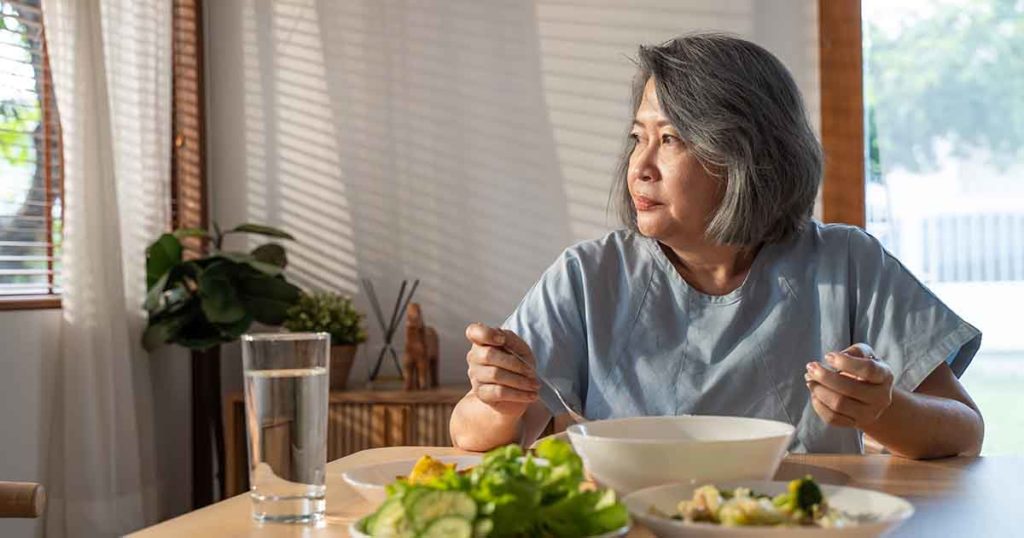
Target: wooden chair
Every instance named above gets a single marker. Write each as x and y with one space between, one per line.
22 499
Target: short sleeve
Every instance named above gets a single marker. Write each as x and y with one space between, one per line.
903 321
550 320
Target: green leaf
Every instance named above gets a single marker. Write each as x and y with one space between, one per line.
163 330
241 257
171 292
267 298
198 333
220 301
152 301
174 299
271 253
161 256
231 331
182 233
261 230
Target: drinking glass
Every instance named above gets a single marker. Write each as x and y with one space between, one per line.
286 382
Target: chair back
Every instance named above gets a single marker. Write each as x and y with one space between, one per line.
22 499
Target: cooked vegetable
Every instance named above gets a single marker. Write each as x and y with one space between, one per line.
427 469
510 494
802 504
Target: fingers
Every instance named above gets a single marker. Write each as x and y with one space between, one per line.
831 417
499 358
843 384
480 374
497 376
866 369
482 335
514 343
861 350
834 408
496 394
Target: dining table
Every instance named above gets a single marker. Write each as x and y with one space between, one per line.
961 496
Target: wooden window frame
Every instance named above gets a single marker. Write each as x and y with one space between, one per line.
189 206
842 110
53 172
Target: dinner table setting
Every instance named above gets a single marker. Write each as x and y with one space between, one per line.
961 496
644 476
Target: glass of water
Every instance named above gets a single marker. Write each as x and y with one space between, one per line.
286 384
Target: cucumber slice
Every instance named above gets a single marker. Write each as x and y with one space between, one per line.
448 527
435 504
482 528
411 496
388 520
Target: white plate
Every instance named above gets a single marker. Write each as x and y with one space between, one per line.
370 480
887 510
354 532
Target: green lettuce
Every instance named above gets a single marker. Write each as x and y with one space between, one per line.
519 496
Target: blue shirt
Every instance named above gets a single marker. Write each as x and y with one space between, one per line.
621 333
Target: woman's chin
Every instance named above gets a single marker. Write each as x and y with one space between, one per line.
647 228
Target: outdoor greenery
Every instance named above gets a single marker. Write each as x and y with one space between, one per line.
954 74
24 264
18 121
330 313
199 303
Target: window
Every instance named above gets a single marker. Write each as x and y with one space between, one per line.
944 186
31 180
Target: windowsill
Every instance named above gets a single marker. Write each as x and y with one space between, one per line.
30 302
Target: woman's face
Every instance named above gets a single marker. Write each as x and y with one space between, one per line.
673 194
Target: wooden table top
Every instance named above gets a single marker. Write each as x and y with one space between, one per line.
952 497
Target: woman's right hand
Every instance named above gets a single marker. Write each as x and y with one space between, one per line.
498 378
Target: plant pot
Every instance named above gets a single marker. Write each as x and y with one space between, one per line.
342 358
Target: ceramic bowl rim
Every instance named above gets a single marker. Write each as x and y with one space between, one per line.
785 431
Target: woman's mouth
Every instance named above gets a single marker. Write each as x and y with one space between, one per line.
643 203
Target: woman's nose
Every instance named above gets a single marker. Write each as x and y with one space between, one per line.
645 164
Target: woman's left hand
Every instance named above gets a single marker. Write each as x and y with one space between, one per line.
857 393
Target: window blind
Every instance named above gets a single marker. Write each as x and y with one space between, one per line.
31 179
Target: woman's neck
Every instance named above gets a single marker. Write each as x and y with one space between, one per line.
710 268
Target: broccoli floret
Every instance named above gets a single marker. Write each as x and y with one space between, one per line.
804 494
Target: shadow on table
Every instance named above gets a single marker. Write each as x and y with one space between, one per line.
824 475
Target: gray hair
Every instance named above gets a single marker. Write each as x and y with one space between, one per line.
741 113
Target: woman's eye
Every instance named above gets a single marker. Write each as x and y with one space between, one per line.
634 137
668 139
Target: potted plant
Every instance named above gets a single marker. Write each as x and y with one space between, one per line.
334 314
204 298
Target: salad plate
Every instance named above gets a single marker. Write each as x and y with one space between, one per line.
508 493
371 481
842 512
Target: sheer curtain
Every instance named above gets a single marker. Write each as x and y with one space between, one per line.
111 62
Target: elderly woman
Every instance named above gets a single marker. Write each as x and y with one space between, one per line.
722 296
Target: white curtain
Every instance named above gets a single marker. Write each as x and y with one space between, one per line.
111 62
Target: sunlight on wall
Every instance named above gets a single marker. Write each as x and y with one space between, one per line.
460 142
295 180
587 63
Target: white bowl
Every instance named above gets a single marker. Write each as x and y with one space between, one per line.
370 480
628 454
887 511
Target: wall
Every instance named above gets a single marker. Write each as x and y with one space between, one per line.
460 142
29 347
28 354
